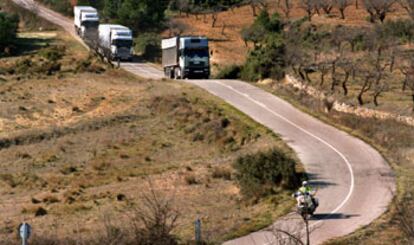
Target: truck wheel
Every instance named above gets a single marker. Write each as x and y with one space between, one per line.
170 73
177 73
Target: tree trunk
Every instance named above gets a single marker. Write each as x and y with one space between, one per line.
376 95
404 87
360 101
253 6
412 97
322 79
307 77
342 11
309 14
344 84
214 18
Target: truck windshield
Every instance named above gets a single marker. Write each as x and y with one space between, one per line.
90 24
193 53
122 43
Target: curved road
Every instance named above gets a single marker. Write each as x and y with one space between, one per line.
354 181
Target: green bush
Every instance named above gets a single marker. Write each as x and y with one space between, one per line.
60 6
53 53
8 30
267 59
229 72
401 29
264 173
148 45
142 15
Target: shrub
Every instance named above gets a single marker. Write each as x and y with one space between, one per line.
53 53
263 173
229 72
60 6
267 59
142 15
401 29
221 173
148 45
8 30
191 180
266 62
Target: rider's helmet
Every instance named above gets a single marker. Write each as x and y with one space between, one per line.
305 183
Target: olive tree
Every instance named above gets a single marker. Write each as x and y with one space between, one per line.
342 5
378 9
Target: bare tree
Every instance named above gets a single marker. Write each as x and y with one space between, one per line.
291 230
353 36
366 85
342 5
408 82
324 69
176 27
256 4
183 6
286 7
308 6
408 5
155 219
348 68
214 17
334 73
326 5
378 9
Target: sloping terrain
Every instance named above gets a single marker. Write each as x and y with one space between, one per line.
80 142
244 96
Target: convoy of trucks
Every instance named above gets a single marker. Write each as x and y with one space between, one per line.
115 41
86 20
182 57
185 57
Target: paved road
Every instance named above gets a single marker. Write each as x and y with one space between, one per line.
354 181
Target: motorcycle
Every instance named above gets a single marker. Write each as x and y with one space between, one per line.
307 204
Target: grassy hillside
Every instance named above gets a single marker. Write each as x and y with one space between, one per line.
82 144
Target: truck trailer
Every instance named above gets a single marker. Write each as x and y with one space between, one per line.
186 57
115 42
86 20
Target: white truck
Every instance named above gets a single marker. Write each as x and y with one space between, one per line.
115 42
185 57
86 20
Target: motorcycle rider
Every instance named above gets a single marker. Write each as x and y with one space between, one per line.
306 189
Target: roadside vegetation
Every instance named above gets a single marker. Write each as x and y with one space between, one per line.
8 30
86 147
365 65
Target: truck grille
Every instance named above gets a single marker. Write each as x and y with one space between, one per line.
197 64
124 53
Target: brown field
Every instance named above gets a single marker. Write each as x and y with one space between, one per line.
228 46
88 141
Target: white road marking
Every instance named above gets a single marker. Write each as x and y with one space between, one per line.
351 171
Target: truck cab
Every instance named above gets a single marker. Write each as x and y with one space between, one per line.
194 57
86 22
117 40
186 57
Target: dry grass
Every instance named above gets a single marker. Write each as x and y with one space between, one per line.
78 144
